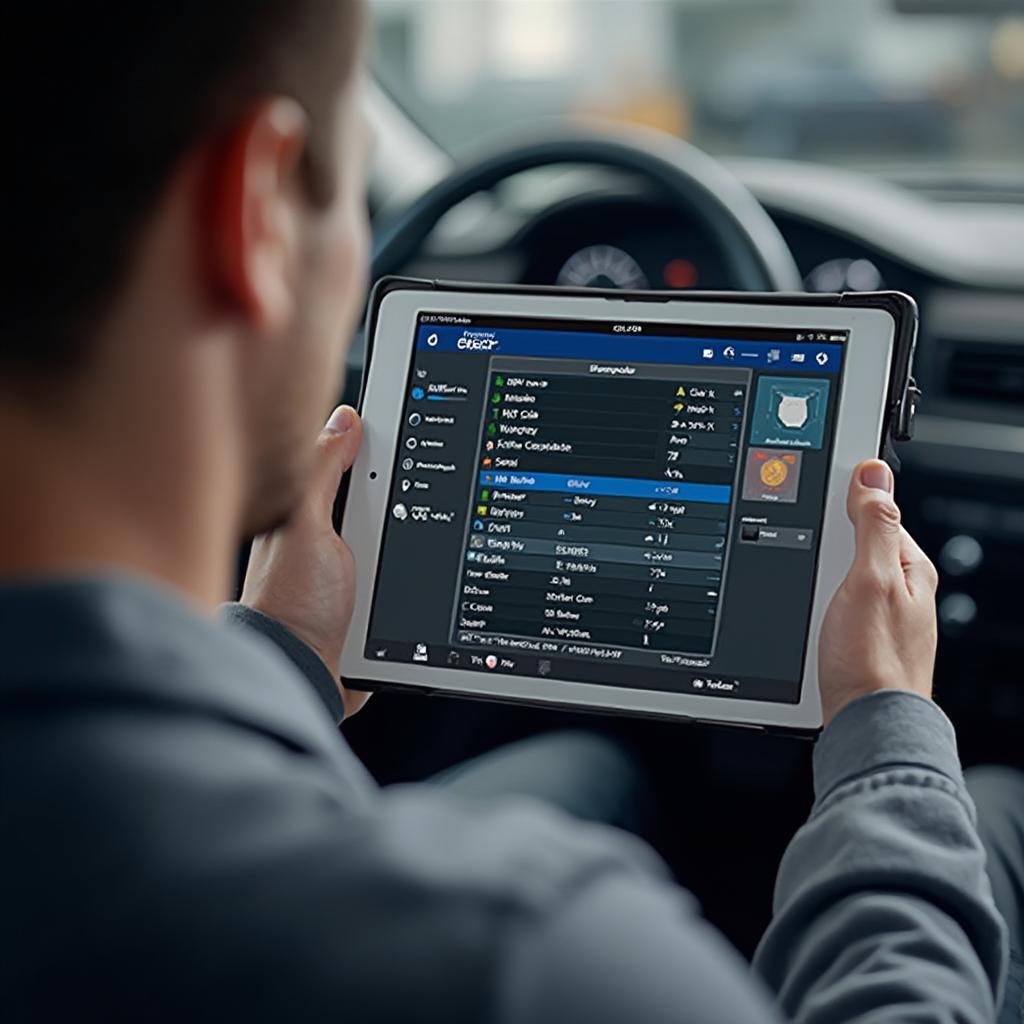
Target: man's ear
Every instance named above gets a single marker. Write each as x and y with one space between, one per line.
255 195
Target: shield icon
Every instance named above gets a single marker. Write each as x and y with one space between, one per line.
793 411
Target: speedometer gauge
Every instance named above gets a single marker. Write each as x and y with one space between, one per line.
602 266
844 275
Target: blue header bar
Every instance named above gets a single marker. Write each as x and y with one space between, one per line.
608 486
633 348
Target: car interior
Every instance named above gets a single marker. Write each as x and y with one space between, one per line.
787 145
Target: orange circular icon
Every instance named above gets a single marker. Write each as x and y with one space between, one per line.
774 473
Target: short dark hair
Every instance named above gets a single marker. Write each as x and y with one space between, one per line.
121 92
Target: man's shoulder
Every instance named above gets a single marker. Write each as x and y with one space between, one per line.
99 646
210 850
513 854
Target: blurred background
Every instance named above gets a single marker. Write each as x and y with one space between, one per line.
888 84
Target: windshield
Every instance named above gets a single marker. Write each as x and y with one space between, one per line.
876 82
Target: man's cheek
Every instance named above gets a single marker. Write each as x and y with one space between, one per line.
336 322
355 229
350 270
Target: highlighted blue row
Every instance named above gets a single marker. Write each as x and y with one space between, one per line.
780 356
608 486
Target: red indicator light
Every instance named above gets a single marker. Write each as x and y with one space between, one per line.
680 274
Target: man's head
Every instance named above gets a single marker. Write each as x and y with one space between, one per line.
187 223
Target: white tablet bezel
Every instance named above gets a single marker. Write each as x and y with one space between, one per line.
858 436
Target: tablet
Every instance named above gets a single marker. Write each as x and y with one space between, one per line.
626 502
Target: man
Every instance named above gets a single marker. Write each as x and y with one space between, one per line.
185 834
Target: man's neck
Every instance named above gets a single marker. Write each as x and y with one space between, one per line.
73 503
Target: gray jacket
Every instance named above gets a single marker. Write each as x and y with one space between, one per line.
186 837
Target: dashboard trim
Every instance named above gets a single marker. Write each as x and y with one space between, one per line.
979 246
957 433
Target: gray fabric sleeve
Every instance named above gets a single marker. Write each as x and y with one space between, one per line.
883 912
300 654
626 949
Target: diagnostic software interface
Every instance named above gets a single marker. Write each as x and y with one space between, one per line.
634 504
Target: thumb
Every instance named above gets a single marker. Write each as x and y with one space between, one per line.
875 517
336 450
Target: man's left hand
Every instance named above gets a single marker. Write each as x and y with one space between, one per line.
303 575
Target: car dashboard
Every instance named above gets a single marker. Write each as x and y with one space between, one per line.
962 483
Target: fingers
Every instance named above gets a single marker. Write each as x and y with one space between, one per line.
876 521
336 450
922 578
353 701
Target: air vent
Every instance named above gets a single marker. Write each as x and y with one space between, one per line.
993 371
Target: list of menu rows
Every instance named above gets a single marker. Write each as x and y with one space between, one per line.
602 506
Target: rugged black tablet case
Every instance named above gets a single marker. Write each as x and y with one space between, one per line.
898 425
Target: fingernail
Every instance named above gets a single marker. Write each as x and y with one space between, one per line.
340 421
877 476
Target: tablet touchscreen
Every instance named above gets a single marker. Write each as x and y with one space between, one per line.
632 504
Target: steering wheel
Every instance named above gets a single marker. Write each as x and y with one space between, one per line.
756 254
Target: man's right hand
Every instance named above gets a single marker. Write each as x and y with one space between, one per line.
880 631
